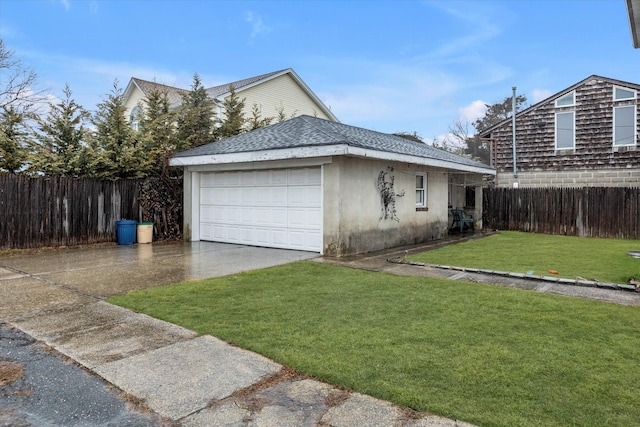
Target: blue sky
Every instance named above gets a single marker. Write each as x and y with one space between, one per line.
391 66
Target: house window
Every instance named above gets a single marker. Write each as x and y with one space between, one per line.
567 100
421 190
134 117
565 130
620 94
624 125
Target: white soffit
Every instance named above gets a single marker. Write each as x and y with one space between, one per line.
324 151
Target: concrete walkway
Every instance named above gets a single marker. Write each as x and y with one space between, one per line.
57 297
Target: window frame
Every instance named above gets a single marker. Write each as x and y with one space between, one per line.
573 103
134 117
635 93
634 124
422 190
573 124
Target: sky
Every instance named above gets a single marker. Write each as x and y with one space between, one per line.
391 66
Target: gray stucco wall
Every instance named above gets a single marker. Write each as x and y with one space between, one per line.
354 215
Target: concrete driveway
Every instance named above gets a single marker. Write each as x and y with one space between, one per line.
70 276
56 297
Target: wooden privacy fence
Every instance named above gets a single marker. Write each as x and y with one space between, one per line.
589 212
58 211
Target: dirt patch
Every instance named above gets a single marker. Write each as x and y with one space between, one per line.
10 372
337 397
285 373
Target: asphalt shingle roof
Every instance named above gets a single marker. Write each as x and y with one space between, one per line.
174 94
307 131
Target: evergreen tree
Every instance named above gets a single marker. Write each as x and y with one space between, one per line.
281 116
157 132
195 123
58 147
114 151
256 121
13 134
233 117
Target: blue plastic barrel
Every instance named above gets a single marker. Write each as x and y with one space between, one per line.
126 231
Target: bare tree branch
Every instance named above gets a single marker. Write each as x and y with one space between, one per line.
17 83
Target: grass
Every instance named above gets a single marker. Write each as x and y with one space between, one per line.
487 355
605 260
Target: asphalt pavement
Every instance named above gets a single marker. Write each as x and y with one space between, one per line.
40 387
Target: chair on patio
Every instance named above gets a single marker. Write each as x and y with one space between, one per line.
461 220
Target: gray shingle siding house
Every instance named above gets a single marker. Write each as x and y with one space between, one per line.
317 185
583 136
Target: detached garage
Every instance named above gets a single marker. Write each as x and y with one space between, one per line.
315 185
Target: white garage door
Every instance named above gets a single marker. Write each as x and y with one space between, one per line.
279 208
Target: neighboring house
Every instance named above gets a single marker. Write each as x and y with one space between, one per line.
271 92
584 136
317 185
633 8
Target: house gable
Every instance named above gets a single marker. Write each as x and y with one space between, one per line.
573 130
281 89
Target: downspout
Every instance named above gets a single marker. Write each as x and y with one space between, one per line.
513 120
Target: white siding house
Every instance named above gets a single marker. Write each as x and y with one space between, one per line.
281 90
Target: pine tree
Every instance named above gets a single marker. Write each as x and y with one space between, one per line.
59 143
13 134
157 132
233 120
195 123
115 151
256 121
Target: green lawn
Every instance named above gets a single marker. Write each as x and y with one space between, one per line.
605 260
487 355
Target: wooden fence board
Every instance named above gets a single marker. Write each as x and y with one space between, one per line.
59 211
588 212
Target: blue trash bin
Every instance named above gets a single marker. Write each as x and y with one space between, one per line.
126 231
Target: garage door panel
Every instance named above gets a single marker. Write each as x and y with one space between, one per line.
304 196
271 197
305 176
248 196
230 179
305 218
275 208
247 178
304 240
248 215
279 177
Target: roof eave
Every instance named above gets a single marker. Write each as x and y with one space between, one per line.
324 151
132 85
633 8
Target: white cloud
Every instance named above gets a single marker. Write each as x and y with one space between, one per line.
480 27
540 94
470 113
257 25
66 4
